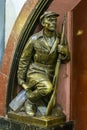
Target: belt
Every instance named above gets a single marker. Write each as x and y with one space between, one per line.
44 65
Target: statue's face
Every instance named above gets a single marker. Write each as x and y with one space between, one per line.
50 23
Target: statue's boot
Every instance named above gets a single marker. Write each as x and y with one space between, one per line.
33 97
30 108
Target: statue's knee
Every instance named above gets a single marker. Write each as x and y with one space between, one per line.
30 96
34 96
48 87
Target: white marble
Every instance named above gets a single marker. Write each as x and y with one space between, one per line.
13 8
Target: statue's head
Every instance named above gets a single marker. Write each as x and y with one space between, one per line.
49 20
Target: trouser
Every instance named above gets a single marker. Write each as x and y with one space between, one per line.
41 89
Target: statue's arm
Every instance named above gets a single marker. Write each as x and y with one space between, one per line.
64 50
24 63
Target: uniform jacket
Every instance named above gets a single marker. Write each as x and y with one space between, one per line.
38 57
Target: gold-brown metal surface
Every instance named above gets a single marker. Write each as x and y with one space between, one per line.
39 65
42 121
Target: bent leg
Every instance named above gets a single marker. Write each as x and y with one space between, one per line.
43 88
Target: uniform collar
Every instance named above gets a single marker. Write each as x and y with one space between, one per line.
51 50
54 45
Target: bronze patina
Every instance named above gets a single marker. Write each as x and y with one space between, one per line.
39 65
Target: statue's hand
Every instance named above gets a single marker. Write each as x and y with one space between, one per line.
62 49
65 55
25 86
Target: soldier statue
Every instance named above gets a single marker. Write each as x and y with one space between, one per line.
38 61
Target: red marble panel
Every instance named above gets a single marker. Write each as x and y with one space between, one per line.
63 93
3 84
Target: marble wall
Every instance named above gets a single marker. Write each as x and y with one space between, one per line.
13 8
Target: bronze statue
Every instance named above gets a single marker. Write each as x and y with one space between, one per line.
37 65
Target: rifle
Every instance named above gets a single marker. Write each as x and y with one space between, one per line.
52 101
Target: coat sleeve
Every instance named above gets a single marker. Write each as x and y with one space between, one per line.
66 56
24 62
65 50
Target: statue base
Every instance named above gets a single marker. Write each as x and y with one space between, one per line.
17 122
38 121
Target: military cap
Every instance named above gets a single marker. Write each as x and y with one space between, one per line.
48 14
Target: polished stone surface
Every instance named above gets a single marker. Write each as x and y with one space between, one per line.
7 124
